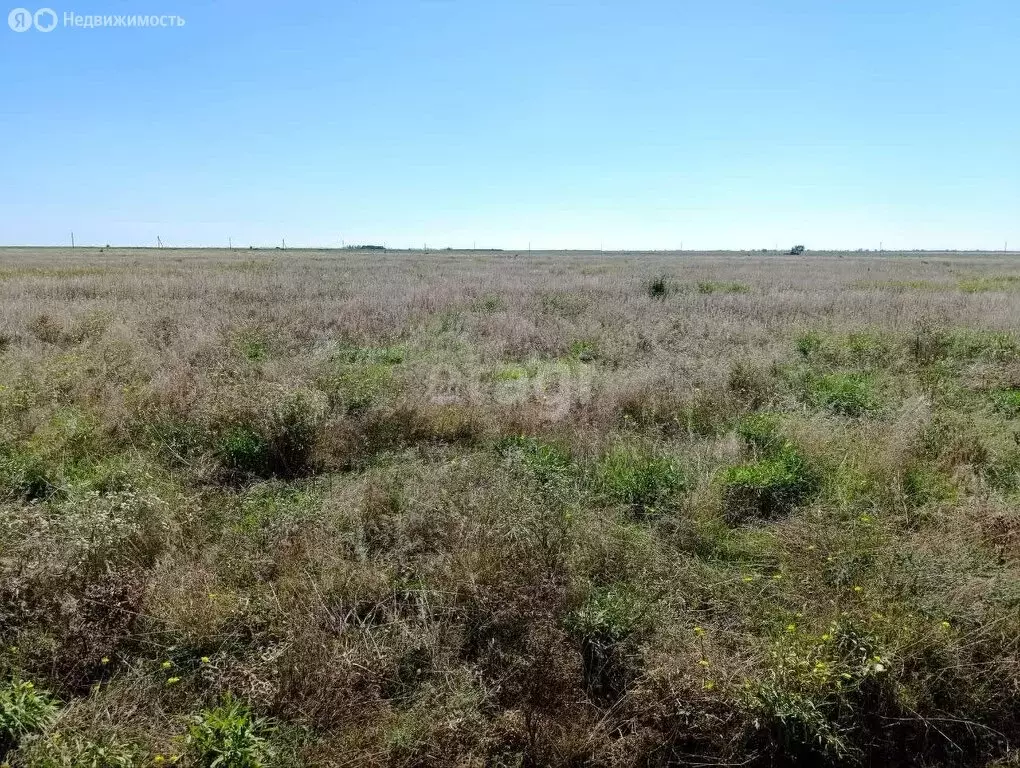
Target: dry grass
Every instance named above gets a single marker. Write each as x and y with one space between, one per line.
311 508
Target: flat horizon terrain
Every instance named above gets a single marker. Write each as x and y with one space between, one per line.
499 508
33 251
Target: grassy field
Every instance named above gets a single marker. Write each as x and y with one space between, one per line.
300 508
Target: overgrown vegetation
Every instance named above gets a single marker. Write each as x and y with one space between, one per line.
376 510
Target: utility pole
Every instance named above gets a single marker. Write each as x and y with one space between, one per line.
159 243
72 241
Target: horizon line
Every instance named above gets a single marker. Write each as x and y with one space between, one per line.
529 249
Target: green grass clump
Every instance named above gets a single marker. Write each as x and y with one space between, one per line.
644 482
901 285
705 413
808 697
585 351
26 476
1006 402
252 345
767 488
60 750
563 303
277 443
999 283
808 344
357 377
603 625
859 349
925 484
243 449
1003 470
843 394
230 736
956 346
490 303
511 373
610 615
24 710
706 287
762 431
997 346
548 462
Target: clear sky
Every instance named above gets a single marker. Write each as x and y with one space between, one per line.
631 123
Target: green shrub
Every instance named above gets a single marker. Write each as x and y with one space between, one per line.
844 394
659 287
644 482
230 736
24 710
767 488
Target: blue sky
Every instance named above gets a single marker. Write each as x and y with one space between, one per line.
631 124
